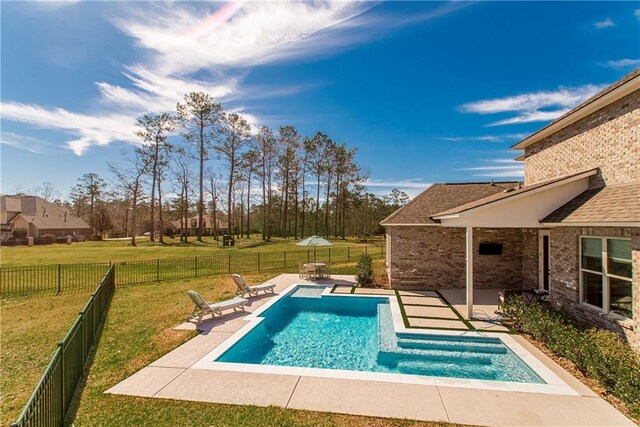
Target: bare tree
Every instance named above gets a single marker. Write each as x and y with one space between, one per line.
47 190
289 140
153 131
235 135
214 180
200 117
130 181
316 149
91 187
250 163
267 147
181 168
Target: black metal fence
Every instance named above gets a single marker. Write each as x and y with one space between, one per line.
50 401
25 281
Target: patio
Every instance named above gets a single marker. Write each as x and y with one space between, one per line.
173 376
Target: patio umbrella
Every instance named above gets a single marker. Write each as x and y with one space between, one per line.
314 241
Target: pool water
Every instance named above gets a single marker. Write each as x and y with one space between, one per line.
305 329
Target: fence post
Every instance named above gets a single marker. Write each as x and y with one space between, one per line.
365 249
329 255
285 260
229 255
82 343
59 275
63 411
157 270
348 254
308 255
258 261
196 266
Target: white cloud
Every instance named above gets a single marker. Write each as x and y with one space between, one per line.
412 187
533 106
604 24
636 13
27 143
486 138
498 168
208 47
624 63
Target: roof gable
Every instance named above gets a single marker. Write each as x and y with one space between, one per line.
439 197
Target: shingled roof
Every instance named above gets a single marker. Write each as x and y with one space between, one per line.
439 197
42 214
616 203
462 207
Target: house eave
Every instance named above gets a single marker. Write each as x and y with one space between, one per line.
591 224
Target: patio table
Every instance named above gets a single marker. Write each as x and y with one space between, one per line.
316 270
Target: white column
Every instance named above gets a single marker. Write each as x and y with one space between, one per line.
469 270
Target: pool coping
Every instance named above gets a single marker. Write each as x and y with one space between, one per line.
554 384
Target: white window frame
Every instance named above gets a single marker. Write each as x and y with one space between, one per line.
606 294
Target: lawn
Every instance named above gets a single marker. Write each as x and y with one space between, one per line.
129 342
121 250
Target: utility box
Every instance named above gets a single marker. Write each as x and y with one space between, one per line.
69 239
29 241
227 240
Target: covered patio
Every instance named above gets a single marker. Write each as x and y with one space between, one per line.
515 212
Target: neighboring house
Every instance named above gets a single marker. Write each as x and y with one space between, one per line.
192 226
38 217
572 227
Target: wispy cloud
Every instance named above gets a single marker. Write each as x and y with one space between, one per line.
498 168
27 143
383 187
636 13
486 138
208 47
606 23
623 63
533 106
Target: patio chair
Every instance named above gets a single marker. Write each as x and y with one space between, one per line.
202 308
302 271
244 288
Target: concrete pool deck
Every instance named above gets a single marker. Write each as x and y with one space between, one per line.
173 376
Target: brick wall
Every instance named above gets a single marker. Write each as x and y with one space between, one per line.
565 280
607 139
428 257
498 271
529 258
433 257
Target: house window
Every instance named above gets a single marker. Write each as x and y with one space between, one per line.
606 275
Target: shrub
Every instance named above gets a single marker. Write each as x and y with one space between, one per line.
364 270
20 233
599 354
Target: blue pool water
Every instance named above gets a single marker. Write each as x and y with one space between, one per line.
306 330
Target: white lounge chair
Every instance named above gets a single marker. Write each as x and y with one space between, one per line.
244 288
202 308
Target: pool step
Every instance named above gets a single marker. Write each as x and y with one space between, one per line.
451 346
456 338
391 358
485 372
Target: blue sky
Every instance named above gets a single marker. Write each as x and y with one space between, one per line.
427 91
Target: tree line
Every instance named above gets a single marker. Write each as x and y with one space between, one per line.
275 182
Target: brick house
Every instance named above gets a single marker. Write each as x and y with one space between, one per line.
191 225
572 227
38 217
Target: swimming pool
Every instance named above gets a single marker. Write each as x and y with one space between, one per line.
309 330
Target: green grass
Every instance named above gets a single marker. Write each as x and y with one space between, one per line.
129 342
121 250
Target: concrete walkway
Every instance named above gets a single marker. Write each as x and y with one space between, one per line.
172 377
